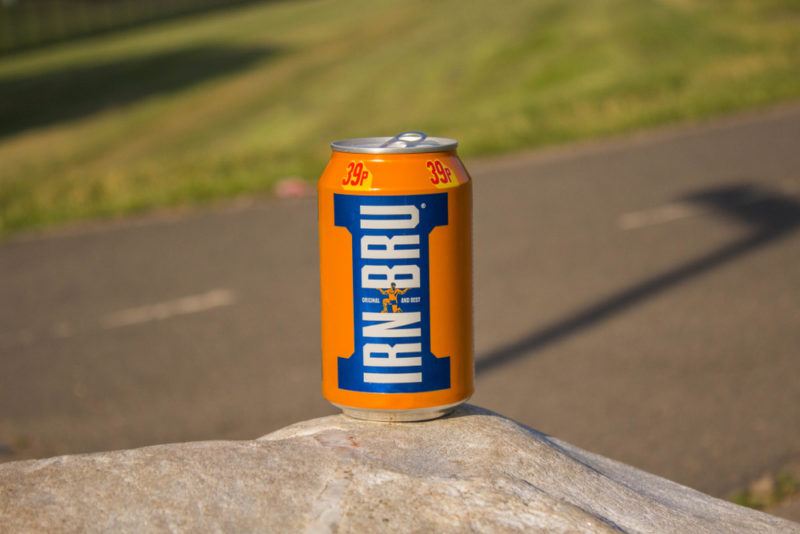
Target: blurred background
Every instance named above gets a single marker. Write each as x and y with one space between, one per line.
636 215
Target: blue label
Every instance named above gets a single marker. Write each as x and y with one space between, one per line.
391 296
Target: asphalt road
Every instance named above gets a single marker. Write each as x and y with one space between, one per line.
638 297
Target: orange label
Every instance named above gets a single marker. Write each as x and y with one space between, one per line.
358 177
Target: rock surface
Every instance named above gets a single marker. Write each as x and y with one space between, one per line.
473 470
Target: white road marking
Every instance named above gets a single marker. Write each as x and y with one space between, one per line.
683 210
62 329
659 215
164 310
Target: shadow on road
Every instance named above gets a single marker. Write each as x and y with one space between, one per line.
770 215
46 98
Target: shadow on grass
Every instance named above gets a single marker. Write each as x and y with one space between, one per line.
76 20
770 215
44 99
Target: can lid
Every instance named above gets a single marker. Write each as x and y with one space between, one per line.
403 143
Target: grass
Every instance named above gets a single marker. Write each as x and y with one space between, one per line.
26 24
226 103
768 491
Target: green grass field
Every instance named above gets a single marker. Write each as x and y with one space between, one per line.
225 103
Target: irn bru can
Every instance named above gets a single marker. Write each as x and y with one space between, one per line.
395 230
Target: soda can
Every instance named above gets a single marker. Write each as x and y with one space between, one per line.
395 232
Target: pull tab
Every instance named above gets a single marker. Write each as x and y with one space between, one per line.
409 139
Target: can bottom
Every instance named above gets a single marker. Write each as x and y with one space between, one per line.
399 416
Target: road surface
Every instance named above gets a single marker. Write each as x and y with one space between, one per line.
638 297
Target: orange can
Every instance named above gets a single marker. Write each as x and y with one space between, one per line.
395 233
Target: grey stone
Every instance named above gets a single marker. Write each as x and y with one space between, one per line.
474 470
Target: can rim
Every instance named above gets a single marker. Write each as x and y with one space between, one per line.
411 142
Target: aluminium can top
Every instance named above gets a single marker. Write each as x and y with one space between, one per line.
402 143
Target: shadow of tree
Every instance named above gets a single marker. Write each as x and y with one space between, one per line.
47 98
771 216
59 21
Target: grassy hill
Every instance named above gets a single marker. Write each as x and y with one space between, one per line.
225 103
